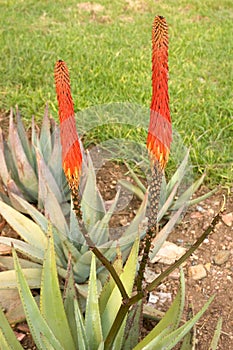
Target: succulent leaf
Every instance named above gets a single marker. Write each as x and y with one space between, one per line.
179 174
51 305
24 139
171 319
171 339
92 204
8 340
45 136
46 178
185 197
32 275
127 277
36 322
25 171
132 329
26 228
92 317
33 253
69 296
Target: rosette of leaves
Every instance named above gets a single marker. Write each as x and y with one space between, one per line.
60 323
30 161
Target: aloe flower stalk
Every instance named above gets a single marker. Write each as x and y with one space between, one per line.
159 133
71 150
160 130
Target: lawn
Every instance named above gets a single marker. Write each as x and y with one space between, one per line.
107 46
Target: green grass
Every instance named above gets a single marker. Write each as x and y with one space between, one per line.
109 56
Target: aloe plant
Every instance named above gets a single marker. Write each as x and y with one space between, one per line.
59 323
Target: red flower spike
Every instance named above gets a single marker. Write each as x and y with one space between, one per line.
160 129
71 151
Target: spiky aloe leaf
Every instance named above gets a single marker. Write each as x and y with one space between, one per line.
33 253
114 301
82 338
45 136
4 173
55 162
69 296
167 203
170 340
100 232
36 322
25 171
132 329
7 263
32 275
132 188
92 316
54 212
51 305
8 340
171 319
217 333
179 174
25 227
46 178
92 203
185 197
29 209
187 343
24 139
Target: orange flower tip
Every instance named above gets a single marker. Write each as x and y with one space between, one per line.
72 175
158 154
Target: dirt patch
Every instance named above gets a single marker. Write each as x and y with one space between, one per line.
90 7
136 5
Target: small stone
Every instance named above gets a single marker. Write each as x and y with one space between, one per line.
197 272
196 215
208 266
175 275
228 219
168 253
221 257
200 209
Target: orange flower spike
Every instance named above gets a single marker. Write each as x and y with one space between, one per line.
71 151
160 129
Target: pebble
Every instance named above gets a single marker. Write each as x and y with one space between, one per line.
168 253
200 209
208 266
228 219
221 257
196 215
197 272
